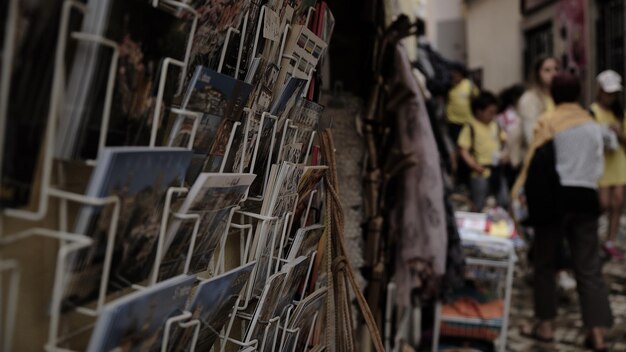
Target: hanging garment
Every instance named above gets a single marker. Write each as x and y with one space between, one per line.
416 218
455 259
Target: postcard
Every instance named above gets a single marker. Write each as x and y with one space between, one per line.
285 186
212 228
303 319
30 76
304 120
254 72
329 24
247 56
243 157
212 197
146 36
262 253
136 322
306 241
287 99
301 10
266 144
306 49
139 177
216 16
271 26
266 308
309 115
292 153
311 180
296 275
306 44
220 98
212 304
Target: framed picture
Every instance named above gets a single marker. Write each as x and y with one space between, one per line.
529 6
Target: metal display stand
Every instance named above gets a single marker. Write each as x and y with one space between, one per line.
7 326
506 266
183 322
7 62
69 243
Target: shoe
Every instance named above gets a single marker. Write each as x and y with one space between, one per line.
566 282
613 251
591 346
534 335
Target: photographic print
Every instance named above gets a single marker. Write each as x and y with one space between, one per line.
306 241
292 152
310 45
263 156
305 117
215 18
213 226
266 309
262 250
301 9
212 197
146 36
312 179
317 52
136 322
296 274
309 115
285 186
271 26
212 303
287 99
243 157
219 98
303 319
139 177
303 43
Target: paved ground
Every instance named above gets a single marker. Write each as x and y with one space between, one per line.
569 327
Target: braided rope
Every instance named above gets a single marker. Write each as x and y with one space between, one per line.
339 270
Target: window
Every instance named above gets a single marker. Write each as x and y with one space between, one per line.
539 42
610 36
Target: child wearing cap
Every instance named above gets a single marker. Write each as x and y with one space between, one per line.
608 112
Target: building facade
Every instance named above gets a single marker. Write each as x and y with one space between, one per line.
506 37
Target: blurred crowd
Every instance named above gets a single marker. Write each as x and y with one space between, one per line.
557 166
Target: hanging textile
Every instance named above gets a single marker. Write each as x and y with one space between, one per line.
416 218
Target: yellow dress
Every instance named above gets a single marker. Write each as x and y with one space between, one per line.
614 161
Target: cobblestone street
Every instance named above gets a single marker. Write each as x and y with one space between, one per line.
570 333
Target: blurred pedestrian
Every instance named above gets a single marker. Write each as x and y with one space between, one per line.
458 107
459 113
560 179
509 121
482 147
537 99
609 113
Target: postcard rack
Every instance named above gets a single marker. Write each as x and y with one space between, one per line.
54 199
11 269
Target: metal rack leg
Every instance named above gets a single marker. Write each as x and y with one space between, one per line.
437 328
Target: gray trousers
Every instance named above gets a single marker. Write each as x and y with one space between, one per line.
482 187
581 233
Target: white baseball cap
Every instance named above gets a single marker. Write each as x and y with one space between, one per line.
610 81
